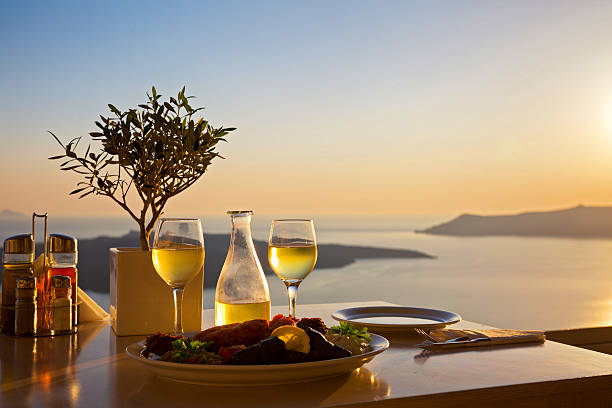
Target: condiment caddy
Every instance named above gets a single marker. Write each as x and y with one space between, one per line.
39 295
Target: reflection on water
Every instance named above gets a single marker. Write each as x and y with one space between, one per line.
513 282
521 283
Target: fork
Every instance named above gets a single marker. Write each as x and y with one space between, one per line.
424 334
428 337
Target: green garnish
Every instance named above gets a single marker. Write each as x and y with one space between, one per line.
347 329
179 344
190 346
197 346
186 351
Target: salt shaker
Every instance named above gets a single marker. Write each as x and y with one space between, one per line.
17 259
25 307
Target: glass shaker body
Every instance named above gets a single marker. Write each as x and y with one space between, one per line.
242 289
61 305
25 307
17 260
63 257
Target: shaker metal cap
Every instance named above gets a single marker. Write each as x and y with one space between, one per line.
19 244
60 282
28 282
62 243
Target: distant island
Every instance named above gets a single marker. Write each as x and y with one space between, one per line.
6 213
577 222
94 260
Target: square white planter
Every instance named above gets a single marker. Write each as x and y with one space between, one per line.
141 302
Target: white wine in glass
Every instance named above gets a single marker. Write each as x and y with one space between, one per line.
178 256
292 254
176 266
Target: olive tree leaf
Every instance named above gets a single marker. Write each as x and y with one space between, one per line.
158 148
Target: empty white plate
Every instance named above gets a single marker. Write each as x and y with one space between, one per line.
396 318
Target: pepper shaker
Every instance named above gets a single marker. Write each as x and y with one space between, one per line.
61 305
63 261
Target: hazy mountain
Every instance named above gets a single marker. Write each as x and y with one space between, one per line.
94 259
577 222
11 214
13 222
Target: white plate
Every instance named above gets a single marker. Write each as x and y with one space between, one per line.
396 318
256 374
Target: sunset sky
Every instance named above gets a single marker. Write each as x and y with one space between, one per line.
341 107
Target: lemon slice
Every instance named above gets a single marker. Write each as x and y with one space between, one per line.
294 338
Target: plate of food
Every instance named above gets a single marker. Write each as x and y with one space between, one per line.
396 318
259 352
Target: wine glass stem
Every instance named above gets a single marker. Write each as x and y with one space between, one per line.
292 288
178 309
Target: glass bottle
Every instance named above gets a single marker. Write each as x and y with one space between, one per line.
17 260
242 289
63 257
25 307
61 305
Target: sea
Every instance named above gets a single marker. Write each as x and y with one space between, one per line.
510 282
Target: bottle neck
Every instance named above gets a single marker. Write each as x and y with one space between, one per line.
241 232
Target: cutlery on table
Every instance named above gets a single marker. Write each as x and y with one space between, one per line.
428 337
460 340
456 340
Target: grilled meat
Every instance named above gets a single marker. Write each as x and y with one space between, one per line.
321 349
268 351
245 344
292 356
247 333
159 343
280 320
228 352
315 323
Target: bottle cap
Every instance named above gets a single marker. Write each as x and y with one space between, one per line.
62 243
238 213
28 282
19 244
60 282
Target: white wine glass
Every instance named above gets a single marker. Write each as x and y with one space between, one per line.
178 256
292 253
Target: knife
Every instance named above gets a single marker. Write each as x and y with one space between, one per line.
455 342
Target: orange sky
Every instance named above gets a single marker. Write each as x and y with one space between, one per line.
484 110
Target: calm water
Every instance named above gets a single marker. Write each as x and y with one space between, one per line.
504 281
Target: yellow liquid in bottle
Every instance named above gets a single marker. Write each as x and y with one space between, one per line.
177 266
226 313
292 263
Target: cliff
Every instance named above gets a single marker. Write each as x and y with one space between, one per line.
577 222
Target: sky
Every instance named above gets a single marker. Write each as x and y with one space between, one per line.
344 107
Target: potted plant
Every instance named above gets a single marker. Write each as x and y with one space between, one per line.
146 156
